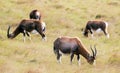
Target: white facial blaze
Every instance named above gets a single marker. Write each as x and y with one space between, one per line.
37 13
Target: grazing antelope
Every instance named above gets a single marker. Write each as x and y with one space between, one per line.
35 14
95 25
26 26
73 45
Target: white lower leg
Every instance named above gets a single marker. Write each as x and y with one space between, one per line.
106 29
23 39
92 35
29 36
24 35
44 38
94 62
79 63
107 35
59 61
71 62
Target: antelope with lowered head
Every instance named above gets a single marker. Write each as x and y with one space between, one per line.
73 46
25 27
96 25
35 14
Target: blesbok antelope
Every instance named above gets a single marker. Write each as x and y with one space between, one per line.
95 25
73 45
25 27
35 14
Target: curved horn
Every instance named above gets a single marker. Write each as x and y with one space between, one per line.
92 51
95 50
8 35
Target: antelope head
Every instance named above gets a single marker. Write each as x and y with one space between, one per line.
12 35
91 59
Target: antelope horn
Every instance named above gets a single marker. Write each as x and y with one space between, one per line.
8 35
92 51
95 50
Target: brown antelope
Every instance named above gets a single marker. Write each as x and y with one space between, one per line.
95 25
35 14
73 45
26 26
